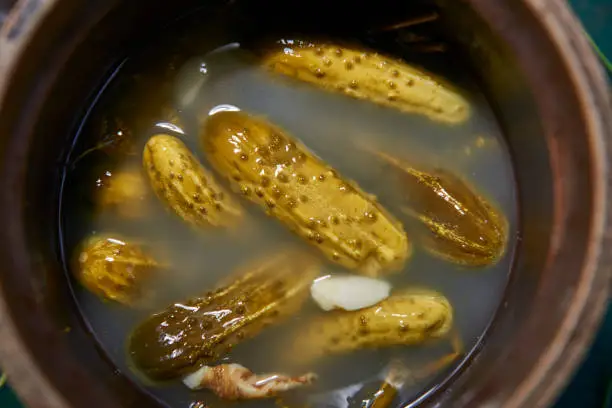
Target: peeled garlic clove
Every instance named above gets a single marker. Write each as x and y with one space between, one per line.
348 292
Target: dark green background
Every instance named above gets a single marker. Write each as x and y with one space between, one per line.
592 384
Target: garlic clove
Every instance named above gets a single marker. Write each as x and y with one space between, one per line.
348 292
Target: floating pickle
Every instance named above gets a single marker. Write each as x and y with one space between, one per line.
366 75
198 332
408 318
114 269
184 185
460 225
124 191
270 168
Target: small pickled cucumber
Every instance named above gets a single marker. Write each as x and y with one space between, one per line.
185 186
407 318
460 225
123 191
114 269
271 169
199 331
366 75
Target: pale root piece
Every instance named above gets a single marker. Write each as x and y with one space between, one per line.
348 292
408 318
366 75
185 186
272 169
235 382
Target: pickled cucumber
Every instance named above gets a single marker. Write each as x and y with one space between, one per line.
185 186
124 192
459 224
114 269
366 75
271 169
199 331
408 318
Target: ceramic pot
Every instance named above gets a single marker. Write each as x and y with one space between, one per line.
539 73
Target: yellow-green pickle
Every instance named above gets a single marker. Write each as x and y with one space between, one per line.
123 191
460 225
199 331
408 318
114 269
366 75
185 186
272 169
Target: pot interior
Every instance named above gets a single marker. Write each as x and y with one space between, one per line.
103 54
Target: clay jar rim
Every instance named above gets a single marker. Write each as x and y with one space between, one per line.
579 325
